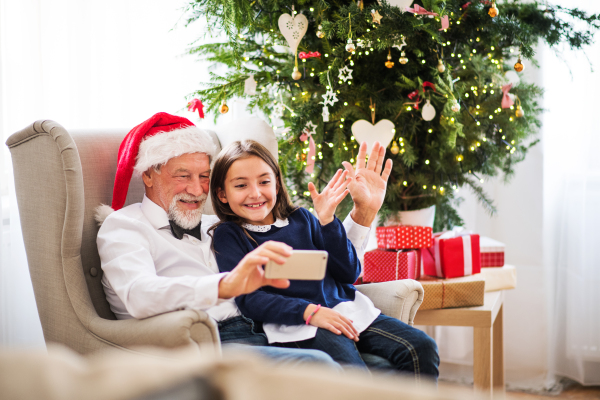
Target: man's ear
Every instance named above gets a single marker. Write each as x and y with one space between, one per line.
221 195
147 178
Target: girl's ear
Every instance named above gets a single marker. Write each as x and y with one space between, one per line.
221 195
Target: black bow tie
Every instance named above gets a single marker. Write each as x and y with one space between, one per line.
178 231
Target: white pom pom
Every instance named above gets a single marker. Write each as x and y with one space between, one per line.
101 212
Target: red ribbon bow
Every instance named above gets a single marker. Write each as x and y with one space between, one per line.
196 105
302 55
507 102
415 93
420 10
312 150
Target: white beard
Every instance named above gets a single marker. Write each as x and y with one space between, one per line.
187 219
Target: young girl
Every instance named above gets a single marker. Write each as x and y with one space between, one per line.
250 198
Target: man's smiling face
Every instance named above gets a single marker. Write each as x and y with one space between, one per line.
181 187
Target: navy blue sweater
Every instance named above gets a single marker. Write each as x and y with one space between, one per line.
304 232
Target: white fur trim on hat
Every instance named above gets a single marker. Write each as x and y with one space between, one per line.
163 146
101 212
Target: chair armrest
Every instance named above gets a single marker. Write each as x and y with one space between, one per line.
398 299
173 329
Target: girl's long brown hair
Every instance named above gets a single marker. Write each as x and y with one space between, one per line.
236 151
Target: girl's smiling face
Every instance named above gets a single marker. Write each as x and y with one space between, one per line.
250 190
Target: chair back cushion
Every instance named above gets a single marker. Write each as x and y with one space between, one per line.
98 150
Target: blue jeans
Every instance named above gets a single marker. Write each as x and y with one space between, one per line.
406 348
242 333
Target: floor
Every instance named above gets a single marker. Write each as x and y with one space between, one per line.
572 390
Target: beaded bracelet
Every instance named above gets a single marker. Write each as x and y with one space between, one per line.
312 313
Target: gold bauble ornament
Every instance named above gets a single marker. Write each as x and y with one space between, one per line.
350 46
296 74
320 33
403 60
441 67
493 11
224 108
519 113
389 63
518 66
395 149
455 106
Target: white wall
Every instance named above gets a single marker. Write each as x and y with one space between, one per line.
519 224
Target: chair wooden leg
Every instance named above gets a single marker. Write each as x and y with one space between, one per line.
498 352
482 361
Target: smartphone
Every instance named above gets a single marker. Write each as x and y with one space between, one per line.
308 265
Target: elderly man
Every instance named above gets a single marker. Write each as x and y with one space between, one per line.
156 254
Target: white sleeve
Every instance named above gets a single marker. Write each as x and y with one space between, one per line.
127 261
357 234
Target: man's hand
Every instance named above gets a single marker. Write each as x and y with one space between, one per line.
331 320
327 201
369 183
249 274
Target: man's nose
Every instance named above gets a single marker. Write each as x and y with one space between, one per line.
195 187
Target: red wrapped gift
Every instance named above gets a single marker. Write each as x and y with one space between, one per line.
453 254
387 265
404 237
492 252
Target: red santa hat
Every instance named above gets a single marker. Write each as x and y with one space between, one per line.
153 143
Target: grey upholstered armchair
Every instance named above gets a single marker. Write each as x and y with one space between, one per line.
60 178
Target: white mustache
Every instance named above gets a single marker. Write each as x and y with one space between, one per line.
189 197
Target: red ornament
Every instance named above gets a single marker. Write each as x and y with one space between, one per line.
302 55
196 105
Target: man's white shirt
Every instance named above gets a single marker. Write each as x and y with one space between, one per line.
148 271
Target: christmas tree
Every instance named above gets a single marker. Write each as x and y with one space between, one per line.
429 79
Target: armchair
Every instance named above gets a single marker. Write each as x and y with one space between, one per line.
59 179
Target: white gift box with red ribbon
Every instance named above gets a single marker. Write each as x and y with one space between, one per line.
454 253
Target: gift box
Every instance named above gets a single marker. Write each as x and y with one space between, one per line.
465 291
403 237
453 254
388 265
502 278
492 252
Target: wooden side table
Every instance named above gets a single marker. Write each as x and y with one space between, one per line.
488 350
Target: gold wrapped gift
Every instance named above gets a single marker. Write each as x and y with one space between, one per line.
455 292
